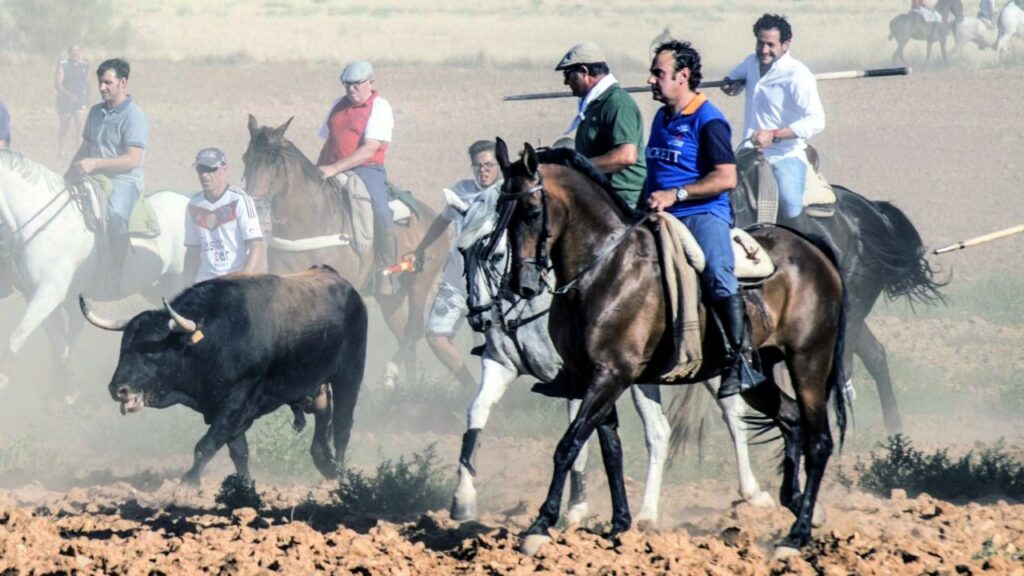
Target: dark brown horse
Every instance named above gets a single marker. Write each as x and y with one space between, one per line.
609 317
304 207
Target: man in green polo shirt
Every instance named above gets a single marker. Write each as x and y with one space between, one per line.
609 126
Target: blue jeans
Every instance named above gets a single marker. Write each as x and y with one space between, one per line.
791 176
123 195
376 180
713 234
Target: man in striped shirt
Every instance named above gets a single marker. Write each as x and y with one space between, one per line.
222 230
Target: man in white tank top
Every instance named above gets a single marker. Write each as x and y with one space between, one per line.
222 230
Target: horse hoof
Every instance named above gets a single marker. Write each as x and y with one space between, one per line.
819 517
647 524
762 500
783 552
391 373
462 512
532 543
576 513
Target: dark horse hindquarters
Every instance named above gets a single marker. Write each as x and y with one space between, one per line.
610 324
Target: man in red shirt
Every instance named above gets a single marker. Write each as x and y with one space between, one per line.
359 130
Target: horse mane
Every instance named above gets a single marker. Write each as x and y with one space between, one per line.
264 142
573 159
29 169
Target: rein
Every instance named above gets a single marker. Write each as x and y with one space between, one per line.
542 259
13 248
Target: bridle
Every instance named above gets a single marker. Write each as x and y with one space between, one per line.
542 262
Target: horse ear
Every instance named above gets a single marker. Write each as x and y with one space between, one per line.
501 154
530 159
280 130
253 126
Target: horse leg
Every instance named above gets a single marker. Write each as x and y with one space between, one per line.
598 402
647 399
611 454
810 377
578 507
46 299
872 354
56 328
788 419
734 408
494 381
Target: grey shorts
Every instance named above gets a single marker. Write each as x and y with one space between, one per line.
448 311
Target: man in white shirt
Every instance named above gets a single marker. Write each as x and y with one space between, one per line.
222 230
449 308
782 108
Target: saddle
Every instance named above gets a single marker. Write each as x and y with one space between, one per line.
682 259
758 182
353 192
90 195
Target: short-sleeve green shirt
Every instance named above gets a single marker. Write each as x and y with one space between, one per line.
611 120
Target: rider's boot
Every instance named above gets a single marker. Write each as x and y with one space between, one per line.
386 255
739 375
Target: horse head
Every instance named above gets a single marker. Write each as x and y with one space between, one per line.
529 229
266 159
485 255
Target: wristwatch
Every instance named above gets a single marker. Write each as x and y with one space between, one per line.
681 194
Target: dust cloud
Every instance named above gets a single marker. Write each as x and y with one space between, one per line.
943 144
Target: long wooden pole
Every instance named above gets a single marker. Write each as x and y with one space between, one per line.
981 239
844 75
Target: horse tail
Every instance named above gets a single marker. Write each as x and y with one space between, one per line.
686 416
836 382
894 248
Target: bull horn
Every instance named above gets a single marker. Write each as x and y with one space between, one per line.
113 325
178 322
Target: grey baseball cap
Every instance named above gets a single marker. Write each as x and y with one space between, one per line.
211 158
357 71
585 53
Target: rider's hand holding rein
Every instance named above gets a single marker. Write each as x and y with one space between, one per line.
659 200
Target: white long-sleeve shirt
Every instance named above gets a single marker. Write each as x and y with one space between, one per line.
786 96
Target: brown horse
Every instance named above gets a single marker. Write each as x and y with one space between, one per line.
609 317
304 207
911 26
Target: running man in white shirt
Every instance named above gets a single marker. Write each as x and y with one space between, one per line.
222 231
782 108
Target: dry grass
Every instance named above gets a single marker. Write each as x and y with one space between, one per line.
509 34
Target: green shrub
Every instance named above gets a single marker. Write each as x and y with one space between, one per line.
239 492
402 488
992 473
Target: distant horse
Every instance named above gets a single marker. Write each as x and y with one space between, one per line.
970 30
911 26
880 251
306 209
50 253
1011 24
609 317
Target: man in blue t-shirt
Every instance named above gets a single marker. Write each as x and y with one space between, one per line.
691 169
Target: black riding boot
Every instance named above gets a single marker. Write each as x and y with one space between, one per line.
739 374
386 255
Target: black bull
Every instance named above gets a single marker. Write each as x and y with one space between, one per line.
238 347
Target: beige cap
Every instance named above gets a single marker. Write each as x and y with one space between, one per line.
585 53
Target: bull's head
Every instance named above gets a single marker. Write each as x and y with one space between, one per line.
153 349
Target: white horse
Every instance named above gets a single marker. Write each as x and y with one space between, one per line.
972 29
517 343
1011 23
49 253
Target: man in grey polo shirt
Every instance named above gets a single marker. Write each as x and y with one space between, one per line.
113 144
